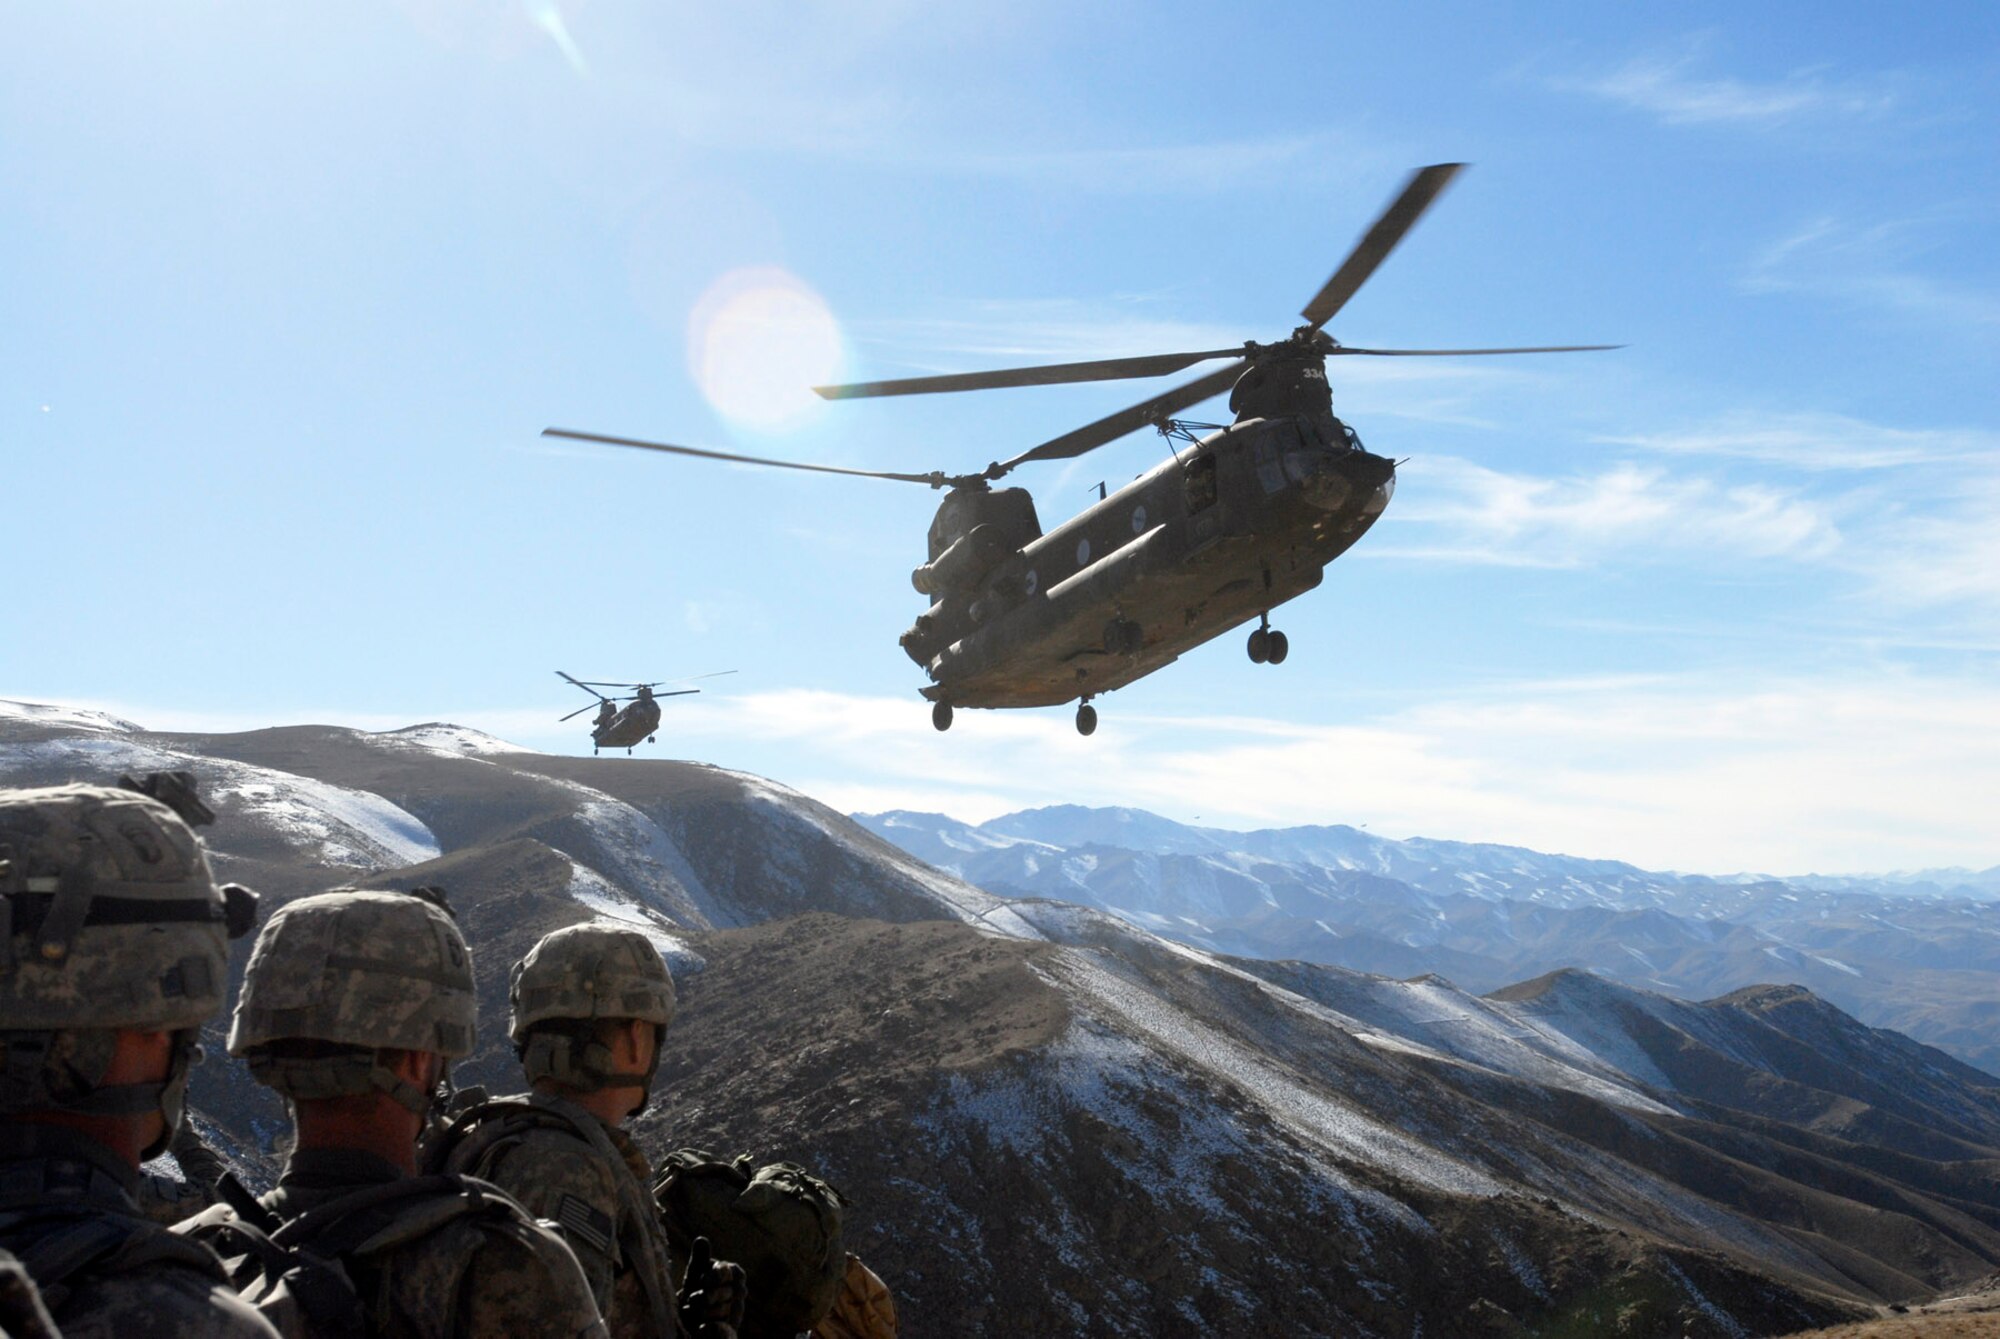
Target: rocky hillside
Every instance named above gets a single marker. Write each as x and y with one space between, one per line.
1919 953
1051 1120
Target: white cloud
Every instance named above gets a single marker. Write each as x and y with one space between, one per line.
1485 516
1856 772
1668 86
1818 441
1871 265
1866 772
1946 554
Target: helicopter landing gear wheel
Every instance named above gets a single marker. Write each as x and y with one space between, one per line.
1123 637
941 715
1086 718
1267 645
652 739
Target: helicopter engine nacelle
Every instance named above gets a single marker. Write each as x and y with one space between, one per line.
971 556
936 628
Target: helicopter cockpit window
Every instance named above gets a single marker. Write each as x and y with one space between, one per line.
1271 456
1199 480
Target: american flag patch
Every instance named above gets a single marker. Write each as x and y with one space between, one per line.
579 1220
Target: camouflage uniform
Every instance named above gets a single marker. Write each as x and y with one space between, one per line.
559 1159
357 973
109 921
590 1179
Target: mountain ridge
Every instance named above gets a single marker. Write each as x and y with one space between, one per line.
1894 953
1162 1136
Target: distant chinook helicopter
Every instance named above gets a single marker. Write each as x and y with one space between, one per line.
1246 518
624 728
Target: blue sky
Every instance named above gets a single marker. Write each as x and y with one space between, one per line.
292 290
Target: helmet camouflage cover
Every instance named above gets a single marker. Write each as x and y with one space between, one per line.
574 977
590 971
362 970
109 917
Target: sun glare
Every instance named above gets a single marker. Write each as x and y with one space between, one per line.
758 341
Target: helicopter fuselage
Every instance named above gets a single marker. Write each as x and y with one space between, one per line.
633 724
1243 521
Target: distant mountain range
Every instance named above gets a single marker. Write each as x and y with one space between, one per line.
1051 1119
1916 952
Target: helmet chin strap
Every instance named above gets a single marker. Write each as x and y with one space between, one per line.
586 1064
187 1054
31 1083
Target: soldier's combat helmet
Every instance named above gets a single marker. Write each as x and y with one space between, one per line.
338 977
109 919
572 979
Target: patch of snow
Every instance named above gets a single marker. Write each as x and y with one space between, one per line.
961 899
350 827
1339 1129
451 741
647 859
1834 963
1726 1322
1521 1265
1591 1028
47 713
341 827
613 907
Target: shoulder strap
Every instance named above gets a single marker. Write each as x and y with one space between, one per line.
63 1244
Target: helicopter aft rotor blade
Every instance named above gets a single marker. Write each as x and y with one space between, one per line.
1375 245
935 479
1046 374
1466 353
1113 426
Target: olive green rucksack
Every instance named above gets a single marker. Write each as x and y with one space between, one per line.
779 1222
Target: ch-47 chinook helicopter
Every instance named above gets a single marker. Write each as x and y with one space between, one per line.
624 727
1242 520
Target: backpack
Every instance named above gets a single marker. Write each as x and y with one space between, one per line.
779 1222
60 1245
317 1276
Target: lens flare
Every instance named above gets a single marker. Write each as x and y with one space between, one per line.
758 340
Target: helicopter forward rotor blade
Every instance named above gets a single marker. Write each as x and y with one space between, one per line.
935 479
578 712
584 686
1466 353
1113 426
1376 244
1046 374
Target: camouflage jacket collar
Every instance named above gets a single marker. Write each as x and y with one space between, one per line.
315 1176
635 1161
44 1163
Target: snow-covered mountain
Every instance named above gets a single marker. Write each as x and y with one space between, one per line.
1051 1120
1919 953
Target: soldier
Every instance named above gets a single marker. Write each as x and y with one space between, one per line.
114 949
588 1008
353 1004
